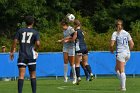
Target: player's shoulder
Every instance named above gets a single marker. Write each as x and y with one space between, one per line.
34 30
114 33
70 28
124 32
21 29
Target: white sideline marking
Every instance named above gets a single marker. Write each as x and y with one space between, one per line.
67 87
62 87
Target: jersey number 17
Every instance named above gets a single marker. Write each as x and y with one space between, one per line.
27 35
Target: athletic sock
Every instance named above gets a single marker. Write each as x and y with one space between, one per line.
73 71
20 85
65 70
118 74
89 69
123 79
71 74
85 71
77 72
33 85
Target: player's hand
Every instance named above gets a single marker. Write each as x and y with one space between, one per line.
36 55
11 56
65 41
59 41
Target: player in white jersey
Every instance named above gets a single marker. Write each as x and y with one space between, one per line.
123 41
68 51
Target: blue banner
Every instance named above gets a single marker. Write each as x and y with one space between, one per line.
51 64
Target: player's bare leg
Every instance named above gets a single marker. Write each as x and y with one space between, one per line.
78 59
21 78
122 75
65 56
87 66
117 69
72 64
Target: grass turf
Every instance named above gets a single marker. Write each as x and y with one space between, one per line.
99 85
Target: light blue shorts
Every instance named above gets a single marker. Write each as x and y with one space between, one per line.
69 50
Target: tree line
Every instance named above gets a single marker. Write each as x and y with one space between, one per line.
97 17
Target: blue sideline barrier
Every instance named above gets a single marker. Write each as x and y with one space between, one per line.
51 64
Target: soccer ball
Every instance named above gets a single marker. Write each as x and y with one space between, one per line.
70 17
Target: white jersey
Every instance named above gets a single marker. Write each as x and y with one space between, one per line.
67 33
122 39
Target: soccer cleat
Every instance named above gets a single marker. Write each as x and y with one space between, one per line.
78 81
87 79
74 81
91 77
123 89
65 79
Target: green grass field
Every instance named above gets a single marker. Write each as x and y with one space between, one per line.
99 85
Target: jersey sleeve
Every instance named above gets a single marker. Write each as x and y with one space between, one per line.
72 31
37 37
73 34
17 35
129 37
113 36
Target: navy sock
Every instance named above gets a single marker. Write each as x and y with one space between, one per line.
71 74
77 71
33 85
85 70
88 69
20 85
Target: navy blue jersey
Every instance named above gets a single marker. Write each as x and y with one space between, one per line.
27 38
80 42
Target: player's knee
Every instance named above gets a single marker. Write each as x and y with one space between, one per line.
77 65
32 74
71 64
21 76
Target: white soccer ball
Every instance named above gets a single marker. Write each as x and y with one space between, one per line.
70 17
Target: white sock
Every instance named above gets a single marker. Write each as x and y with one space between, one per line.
65 70
123 79
73 71
118 74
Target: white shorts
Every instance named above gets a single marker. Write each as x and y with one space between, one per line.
123 57
69 50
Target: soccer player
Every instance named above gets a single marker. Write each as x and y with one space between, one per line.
123 40
68 51
81 50
28 39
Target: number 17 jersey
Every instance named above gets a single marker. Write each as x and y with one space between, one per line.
122 39
27 38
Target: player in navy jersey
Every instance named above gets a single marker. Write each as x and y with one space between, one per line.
28 39
81 50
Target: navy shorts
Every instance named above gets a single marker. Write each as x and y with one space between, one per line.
31 63
82 52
